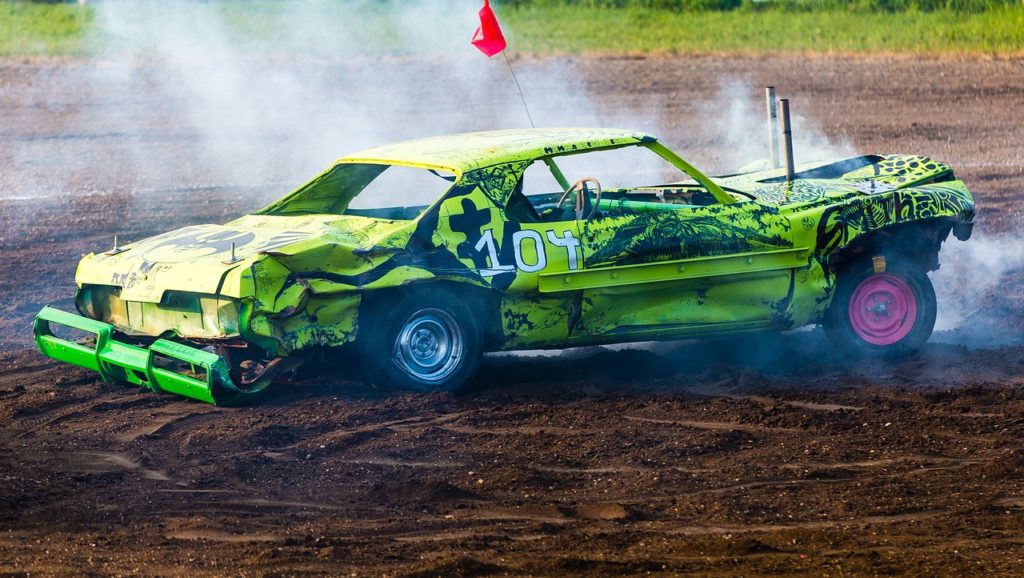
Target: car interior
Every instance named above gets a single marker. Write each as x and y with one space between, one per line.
606 186
541 194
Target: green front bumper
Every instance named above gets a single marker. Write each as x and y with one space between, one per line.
120 362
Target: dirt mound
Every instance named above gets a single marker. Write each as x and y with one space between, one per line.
426 493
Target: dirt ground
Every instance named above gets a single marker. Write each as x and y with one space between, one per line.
754 455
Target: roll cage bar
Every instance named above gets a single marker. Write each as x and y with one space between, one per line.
659 149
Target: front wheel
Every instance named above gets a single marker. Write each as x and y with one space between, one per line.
426 341
886 314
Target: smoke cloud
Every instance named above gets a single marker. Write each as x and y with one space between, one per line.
328 79
200 94
285 105
737 129
975 286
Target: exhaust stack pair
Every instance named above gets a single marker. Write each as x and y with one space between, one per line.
773 131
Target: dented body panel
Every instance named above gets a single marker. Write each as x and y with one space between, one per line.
663 261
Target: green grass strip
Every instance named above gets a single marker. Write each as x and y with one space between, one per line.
631 30
29 29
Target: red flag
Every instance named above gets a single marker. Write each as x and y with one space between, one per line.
488 37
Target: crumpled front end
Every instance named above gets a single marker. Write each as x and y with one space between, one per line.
205 311
183 314
163 366
212 312
188 283
308 294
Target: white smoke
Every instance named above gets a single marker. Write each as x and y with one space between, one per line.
328 79
221 94
735 131
975 287
288 105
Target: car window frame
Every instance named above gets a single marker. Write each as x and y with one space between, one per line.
361 161
720 195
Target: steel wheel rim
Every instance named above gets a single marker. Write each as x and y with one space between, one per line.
429 346
883 309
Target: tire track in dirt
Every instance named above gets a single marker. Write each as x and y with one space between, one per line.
99 462
18 373
824 524
714 425
71 409
166 424
406 424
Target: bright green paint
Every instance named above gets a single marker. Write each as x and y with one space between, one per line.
663 261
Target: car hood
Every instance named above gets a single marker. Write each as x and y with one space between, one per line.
200 258
868 175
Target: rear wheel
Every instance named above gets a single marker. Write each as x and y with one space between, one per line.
886 314
426 341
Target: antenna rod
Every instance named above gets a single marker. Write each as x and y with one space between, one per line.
521 97
773 125
787 138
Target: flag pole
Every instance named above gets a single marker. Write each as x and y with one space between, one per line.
489 40
521 97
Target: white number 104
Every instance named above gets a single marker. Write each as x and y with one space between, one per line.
524 237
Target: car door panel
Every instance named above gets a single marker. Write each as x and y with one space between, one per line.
683 307
696 269
530 318
511 257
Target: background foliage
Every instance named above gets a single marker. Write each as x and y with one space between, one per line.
851 6
595 26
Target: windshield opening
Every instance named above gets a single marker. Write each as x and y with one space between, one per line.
633 178
631 167
366 189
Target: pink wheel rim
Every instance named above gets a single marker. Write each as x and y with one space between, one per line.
883 309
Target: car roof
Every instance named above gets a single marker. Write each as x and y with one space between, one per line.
467 151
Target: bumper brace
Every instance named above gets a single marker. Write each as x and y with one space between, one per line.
120 362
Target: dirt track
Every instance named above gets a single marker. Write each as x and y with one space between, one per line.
762 455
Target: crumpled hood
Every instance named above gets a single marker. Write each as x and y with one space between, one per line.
869 174
198 258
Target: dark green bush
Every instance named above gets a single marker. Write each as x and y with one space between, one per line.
882 5
675 5
966 6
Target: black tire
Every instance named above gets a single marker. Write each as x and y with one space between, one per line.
425 340
894 334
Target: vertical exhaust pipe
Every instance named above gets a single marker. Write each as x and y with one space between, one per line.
773 125
787 138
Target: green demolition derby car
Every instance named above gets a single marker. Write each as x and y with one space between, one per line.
426 254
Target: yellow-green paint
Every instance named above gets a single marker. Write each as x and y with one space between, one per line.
657 261
668 271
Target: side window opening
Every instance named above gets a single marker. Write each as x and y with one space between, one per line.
538 179
401 186
633 179
367 189
536 195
